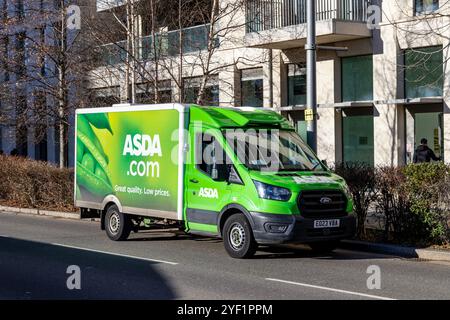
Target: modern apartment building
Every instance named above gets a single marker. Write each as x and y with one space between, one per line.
30 72
382 89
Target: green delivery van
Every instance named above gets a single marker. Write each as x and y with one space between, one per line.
241 174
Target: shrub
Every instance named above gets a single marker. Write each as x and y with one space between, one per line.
392 203
35 184
360 179
427 186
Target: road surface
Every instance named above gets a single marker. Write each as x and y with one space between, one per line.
36 252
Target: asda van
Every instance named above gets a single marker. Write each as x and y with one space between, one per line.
241 174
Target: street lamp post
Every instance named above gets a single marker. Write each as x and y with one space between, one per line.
311 97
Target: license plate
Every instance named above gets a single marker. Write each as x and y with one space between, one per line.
319 224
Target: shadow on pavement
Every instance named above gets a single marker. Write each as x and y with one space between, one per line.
289 251
33 270
303 251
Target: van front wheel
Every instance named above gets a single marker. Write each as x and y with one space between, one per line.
117 224
238 237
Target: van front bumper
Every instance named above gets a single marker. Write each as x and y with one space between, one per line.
268 229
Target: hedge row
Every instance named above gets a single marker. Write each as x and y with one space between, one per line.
35 184
413 200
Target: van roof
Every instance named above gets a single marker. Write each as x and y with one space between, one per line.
232 117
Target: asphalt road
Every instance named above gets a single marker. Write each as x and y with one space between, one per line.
35 253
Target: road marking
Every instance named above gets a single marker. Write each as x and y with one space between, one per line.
116 254
330 289
97 251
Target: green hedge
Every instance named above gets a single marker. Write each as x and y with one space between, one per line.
414 200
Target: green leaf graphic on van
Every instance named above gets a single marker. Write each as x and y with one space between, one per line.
93 174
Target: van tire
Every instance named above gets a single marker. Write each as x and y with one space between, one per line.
117 224
238 237
324 246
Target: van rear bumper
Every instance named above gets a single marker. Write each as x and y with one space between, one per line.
298 229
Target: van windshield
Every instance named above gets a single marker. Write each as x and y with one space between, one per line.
272 150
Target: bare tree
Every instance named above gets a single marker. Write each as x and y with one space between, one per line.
51 60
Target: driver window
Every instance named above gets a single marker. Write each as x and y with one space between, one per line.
210 156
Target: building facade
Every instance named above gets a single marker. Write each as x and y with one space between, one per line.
382 75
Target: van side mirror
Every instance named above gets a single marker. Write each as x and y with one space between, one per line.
214 174
325 162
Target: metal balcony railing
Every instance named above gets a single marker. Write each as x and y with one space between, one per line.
195 39
271 14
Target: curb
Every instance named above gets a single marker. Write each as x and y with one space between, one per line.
401 251
39 212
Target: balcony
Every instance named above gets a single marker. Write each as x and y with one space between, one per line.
281 24
195 40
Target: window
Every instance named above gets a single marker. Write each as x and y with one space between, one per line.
20 55
20 12
357 134
429 125
210 157
42 57
104 97
145 92
21 126
272 150
424 121
424 72
252 87
296 84
425 6
357 78
192 90
40 126
302 129
5 55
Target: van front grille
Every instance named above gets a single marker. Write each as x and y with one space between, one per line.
322 204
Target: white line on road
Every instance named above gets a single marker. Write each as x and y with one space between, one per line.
99 251
116 254
331 289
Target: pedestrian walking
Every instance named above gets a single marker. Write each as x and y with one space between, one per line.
424 154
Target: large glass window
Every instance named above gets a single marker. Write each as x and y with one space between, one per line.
252 87
296 84
425 6
429 126
423 72
192 90
145 92
104 97
357 78
357 134
424 122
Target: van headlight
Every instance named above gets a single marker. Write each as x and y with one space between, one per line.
267 191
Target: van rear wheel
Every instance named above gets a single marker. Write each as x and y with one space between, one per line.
117 224
238 237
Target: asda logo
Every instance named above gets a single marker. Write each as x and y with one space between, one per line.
208 193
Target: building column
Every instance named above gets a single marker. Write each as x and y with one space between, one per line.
385 132
276 86
327 131
229 87
386 86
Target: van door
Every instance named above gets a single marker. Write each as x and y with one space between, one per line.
208 191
